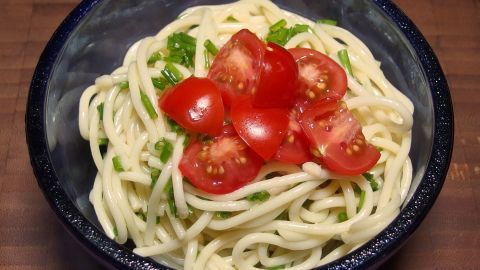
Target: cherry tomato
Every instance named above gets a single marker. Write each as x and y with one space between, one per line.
220 165
336 138
263 129
277 86
319 77
196 105
238 65
295 146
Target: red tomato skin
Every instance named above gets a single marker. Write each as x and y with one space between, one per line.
195 104
236 174
295 147
338 131
263 129
277 87
237 66
312 65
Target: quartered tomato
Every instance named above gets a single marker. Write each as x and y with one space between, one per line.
319 77
277 86
196 105
220 165
263 129
295 146
238 65
336 138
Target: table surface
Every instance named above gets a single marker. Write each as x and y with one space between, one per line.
32 238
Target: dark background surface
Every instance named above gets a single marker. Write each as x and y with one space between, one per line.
32 238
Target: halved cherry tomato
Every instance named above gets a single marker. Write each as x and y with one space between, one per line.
237 66
220 165
295 147
196 105
337 139
277 86
263 129
319 77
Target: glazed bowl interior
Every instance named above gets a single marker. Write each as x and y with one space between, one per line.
97 45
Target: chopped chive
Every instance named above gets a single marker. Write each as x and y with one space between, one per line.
222 214
102 141
258 196
299 28
181 48
361 201
186 142
357 189
278 267
170 197
280 36
342 216
278 25
169 76
211 48
380 149
345 60
174 126
178 76
373 183
115 231
154 58
100 111
117 164
327 21
165 148
148 105
123 85
154 174
159 83
191 210
231 19
158 220
206 58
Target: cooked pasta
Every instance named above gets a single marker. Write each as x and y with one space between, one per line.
298 226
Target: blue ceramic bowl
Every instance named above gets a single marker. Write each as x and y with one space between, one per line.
93 40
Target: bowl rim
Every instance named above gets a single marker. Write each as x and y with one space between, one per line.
374 252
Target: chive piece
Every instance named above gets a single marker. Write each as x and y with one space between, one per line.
175 127
123 85
222 214
278 267
102 141
258 196
154 58
186 142
154 174
181 48
342 216
280 36
115 231
177 75
361 201
117 164
191 210
170 197
148 105
327 21
345 60
100 110
211 48
158 220
231 19
206 58
299 28
278 25
159 83
373 183
357 189
165 148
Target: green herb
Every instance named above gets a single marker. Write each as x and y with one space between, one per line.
159 83
327 21
380 149
117 164
222 214
191 210
342 216
172 74
278 267
278 25
174 127
345 61
170 197
158 220
280 37
258 196
373 183
165 148
115 231
148 105
186 142
361 201
102 141
154 58
123 85
211 48
207 59
231 19
182 49
357 189
100 110
154 174
299 28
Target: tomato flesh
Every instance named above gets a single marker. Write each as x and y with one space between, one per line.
277 86
196 105
336 138
237 66
220 165
263 129
295 146
319 77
